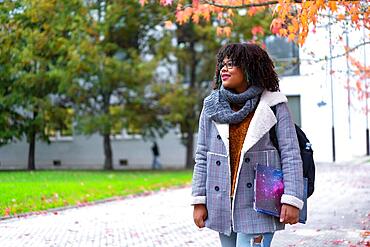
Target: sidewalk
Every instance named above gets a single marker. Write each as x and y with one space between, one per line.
339 215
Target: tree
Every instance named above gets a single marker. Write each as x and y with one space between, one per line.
10 127
33 42
194 53
9 118
292 17
109 76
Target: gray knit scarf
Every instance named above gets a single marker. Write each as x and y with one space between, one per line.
217 105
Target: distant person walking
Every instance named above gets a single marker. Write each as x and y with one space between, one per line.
156 164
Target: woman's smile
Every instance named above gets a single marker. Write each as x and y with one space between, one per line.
225 76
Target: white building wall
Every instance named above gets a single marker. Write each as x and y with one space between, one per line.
314 86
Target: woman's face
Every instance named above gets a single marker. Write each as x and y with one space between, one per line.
233 77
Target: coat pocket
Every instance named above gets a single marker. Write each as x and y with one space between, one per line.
217 173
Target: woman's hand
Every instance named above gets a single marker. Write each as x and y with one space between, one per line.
289 214
200 215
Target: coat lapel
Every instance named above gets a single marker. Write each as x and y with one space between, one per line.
263 120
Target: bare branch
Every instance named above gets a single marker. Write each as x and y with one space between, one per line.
249 5
241 6
344 54
347 18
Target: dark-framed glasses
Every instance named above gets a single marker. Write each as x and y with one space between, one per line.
229 64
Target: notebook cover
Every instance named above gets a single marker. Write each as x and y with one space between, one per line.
269 187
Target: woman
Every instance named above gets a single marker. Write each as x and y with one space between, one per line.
233 138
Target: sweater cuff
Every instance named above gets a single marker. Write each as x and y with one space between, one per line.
292 200
198 200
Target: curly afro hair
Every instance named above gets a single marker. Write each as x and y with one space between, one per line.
255 63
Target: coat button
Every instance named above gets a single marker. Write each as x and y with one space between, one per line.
218 162
249 185
217 188
219 137
247 160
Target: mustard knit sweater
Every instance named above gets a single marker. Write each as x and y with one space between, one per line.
237 133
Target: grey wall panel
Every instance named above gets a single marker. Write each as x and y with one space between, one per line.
85 152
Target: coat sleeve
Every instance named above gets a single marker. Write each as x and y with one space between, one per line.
200 167
290 157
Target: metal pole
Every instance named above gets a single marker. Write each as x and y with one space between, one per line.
366 99
331 86
348 88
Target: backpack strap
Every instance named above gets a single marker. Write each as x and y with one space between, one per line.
305 151
272 132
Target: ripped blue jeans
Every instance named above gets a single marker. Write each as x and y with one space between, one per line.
238 239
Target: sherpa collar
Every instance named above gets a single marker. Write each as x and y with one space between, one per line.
263 120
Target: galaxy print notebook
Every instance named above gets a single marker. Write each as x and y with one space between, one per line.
269 187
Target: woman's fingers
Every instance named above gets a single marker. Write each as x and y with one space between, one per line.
200 223
289 214
283 214
200 215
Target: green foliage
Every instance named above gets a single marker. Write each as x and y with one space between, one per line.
242 31
106 67
95 62
33 48
82 55
22 192
195 56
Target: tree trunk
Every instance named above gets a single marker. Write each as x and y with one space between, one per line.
190 150
32 143
108 162
191 116
31 151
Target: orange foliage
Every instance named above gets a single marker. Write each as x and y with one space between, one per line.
257 30
143 2
168 24
223 31
227 31
362 73
292 17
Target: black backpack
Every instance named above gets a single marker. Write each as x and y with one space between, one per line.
306 155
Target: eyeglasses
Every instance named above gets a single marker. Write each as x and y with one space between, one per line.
229 64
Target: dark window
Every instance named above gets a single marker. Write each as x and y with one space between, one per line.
294 104
123 162
284 54
57 162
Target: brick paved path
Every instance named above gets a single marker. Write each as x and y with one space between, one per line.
339 210
339 215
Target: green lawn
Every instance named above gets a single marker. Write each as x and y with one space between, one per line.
23 191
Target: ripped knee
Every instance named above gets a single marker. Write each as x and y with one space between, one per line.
257 240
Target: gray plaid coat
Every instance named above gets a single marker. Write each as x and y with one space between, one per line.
211 178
